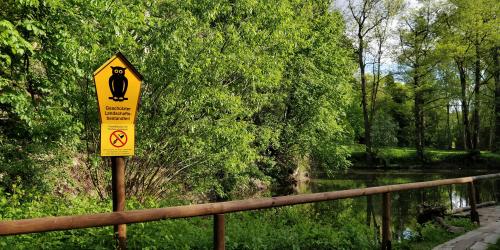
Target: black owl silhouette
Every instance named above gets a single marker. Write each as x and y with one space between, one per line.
118 84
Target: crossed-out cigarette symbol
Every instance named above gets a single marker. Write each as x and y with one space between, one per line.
118 138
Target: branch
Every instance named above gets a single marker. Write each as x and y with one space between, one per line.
485 81
377 22
356 18
435 100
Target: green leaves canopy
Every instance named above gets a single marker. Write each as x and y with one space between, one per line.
233 91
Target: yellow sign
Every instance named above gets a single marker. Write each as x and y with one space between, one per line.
118 86
117 139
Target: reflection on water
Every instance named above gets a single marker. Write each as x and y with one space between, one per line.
457 200
405 203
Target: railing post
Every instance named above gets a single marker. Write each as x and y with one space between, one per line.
386 221
219 243
474 215
497 190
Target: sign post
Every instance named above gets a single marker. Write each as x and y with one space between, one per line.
118 86
118 186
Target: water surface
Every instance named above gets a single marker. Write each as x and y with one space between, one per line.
405 203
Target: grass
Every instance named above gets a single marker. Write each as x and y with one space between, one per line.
432 235
495 247
406 157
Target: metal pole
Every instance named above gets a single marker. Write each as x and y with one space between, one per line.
474 215
219 232
386 221
118 186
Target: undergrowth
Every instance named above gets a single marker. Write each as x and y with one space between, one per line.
297 227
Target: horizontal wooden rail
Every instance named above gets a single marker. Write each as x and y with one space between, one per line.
136 216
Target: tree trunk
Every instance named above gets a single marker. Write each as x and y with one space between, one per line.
369 210
465 106
491 131
460 128
475 115
496 74
419 121
366 118
448 128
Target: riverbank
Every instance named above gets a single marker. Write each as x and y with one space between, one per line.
394 158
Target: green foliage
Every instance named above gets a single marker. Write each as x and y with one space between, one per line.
396 103
384 131
406 157
35 111
22 204
244 89
232 92
12 43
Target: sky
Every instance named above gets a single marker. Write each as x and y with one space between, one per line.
388 62
343 3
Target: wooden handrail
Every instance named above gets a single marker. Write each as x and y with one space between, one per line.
136 216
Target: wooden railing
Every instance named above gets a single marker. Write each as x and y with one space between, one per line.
218 210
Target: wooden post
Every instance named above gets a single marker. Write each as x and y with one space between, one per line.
118 186
219 243
369 209
497 190
474 215
386 221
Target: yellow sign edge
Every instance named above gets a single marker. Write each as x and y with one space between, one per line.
121 56
104 65
125 60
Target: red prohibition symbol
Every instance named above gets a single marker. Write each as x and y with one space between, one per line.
118 138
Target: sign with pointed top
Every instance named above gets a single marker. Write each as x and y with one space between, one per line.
118 87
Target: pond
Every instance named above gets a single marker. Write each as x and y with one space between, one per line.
405 203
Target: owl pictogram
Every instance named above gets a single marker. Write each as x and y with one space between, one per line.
118 84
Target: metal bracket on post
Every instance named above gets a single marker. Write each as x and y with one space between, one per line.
219 241
386 221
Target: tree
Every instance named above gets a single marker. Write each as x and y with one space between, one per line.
36 115
417 40
231 98
478 19
371 19
234 93
496 72
466 32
